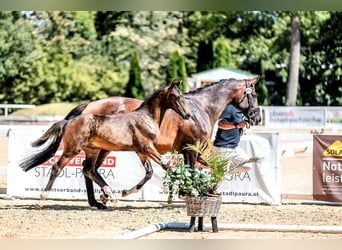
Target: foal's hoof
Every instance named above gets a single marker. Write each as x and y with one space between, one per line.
128 192
124 193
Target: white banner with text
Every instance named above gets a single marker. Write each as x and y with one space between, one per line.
123 170
295 117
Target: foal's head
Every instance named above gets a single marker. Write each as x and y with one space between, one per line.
174 99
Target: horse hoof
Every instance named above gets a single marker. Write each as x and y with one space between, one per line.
38 206
103 199
98 206
124 193
127 192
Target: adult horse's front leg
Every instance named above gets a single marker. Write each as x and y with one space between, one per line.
190 157
148 175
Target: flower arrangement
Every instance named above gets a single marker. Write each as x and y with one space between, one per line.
186 181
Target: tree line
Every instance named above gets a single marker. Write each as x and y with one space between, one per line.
77 56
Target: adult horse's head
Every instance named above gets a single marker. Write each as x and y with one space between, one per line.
247 102
175 100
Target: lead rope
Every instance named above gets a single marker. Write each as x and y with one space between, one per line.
248 92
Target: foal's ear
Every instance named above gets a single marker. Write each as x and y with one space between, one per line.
176 83
253 80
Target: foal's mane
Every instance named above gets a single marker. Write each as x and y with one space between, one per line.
150 99
209 85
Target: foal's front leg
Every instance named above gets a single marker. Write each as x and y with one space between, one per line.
149 171
145 159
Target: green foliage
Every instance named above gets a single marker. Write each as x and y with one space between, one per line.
184 180
134 86
262 91
176 70
222 55
218 165
187 181
18 54
155 35
85 24
55 56
326 61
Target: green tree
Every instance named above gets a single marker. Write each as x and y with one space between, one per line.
85 25
325 63
107 21
18 54
155 35
177 70
72 68
222 55
134 87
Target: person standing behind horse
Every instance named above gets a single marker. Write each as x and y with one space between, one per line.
228 135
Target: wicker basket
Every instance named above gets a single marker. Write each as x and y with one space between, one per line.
203 206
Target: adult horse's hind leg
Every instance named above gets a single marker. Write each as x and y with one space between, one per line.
89 183
90 171
149 171
55 171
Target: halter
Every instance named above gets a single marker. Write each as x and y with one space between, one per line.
252 112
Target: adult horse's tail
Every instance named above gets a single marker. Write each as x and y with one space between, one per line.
56 133
51 131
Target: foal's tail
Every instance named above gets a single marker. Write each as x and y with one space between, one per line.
55 132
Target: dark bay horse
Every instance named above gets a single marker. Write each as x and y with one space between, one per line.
136 131
206 105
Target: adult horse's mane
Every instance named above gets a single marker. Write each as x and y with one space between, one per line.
148 101
200 89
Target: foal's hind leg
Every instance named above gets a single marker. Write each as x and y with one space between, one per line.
149 171
55 171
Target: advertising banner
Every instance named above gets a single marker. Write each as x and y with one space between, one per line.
327 168
294 117
259 185
123 170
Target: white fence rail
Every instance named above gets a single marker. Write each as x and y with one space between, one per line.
16 106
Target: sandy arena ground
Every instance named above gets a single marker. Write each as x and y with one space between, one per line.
74 220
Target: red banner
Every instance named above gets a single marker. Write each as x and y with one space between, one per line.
327 168
110 161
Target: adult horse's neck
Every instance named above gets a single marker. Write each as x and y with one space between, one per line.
215 97
153 108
